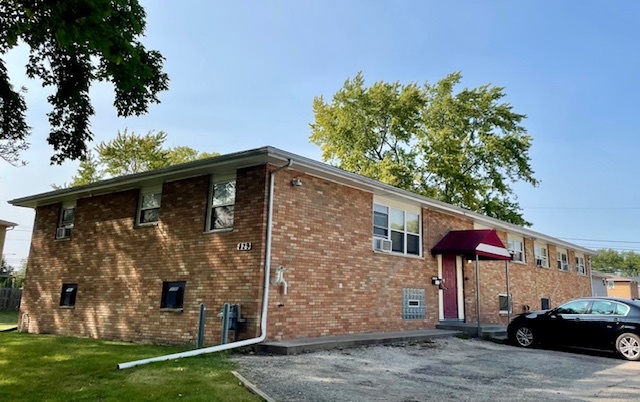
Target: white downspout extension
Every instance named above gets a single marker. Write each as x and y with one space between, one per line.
265 298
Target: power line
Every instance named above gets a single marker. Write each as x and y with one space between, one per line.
604 241
586 208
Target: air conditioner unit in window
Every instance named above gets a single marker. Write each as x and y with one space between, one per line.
63 233
382 245
566 267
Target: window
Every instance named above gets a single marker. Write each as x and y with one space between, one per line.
542 255
505 304
574 307
172 294
563 259
67 219
621 309
400 226
611 284
580 267
545 303
515 244
603 307
68 294
413 306
149 206
223 198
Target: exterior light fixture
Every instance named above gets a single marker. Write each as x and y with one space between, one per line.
295 182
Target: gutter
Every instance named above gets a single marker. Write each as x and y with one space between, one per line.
265 298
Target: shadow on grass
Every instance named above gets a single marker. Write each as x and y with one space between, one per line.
53 368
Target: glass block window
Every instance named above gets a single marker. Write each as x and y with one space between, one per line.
413 305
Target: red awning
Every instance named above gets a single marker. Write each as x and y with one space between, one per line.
471 243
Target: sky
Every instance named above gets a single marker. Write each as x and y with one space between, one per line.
244 75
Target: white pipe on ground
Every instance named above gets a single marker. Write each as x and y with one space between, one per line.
265 298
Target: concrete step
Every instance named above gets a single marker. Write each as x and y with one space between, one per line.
305 345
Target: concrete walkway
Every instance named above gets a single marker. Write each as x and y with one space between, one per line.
295 346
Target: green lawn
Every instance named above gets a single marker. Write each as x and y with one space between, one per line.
8 319
54 368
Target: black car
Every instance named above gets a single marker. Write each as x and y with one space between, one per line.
593 322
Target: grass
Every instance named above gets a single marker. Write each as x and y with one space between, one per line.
8 319
54 368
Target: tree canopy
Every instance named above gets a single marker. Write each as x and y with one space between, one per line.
627 263
74 43
465 148
131 153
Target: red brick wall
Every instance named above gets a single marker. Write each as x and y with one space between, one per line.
120 269
322 233
528 283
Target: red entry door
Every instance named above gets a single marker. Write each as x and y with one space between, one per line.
450 292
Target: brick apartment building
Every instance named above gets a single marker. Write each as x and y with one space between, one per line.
132 258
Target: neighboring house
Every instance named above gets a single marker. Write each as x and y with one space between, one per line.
618 286
599 283
133 257
4 226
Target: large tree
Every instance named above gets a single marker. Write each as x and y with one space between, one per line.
131 153
74 43
625 262
463 147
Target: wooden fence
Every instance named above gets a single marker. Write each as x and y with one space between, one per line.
10 298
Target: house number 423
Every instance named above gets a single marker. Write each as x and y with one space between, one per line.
244 246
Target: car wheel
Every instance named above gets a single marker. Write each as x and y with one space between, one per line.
628 345
524 336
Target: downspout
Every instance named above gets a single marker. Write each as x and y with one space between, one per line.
478 295
265 298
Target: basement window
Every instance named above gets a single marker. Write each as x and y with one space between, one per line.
545 303
413 306
68 295
172 295
505 304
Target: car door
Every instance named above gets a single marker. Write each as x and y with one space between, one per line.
566 323
605 320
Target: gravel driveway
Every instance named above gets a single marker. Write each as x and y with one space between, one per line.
443 370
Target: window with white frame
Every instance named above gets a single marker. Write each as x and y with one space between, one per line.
515 244
563 259
611 284
400 226
505 303
580 267
221 205
149 206
67 220
541 253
